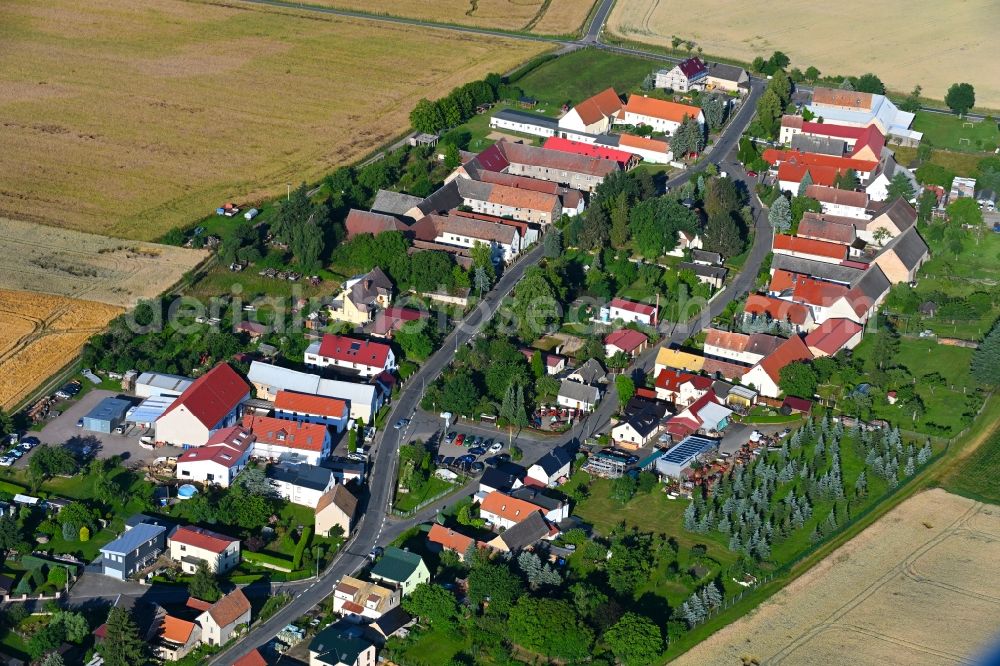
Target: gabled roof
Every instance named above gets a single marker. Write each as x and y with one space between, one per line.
671 380
450 539
351 350
730 340
658 108
527 532
902 214
793 349
590 371
872 138
392 319
839 97
251 658
518 197
692 67
626 339
682 360
589 150
819 269
782 155
289 434
714 367
133 538
306 403
792 172
225 447
340 497
512 180
302 475
337 645
602 105
724 72
507 507
817 292
198 537
833 195
909 247
432 226
393 203
524 154
555 460
831 336
176 630
396 565
501 478
817 226
633 306
816 248
643 143
364 222
867 291
764 344
824 145
580 392
229 608
777 309
213 395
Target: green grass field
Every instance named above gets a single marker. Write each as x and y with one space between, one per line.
410 501
960 163
560 80
951 132
977 475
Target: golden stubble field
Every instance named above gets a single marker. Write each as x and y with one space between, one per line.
39 334
905 42
128 119
917 587
552 17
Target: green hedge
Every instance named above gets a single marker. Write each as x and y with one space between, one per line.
300 547
246 579
280 563
12 488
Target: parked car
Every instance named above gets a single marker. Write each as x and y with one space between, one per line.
496 446
79 423
451 437
6 462
477 451
14 453
465 460
752 174
34 441
375 553
460 440
477 467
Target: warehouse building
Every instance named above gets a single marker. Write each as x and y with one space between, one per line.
680 457
107 415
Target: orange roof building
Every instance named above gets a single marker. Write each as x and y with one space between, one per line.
505 511
809 248
314 408
659 114
777 309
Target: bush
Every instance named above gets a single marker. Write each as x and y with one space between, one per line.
58 577
300 547
280 563
84 534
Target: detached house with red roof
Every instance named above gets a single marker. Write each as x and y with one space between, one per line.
220 460
211 403
843 203
686 75
278 437
765 375
833 335
193 546
308 408
625 340
366 358
594 115
661 115
630 312
809 248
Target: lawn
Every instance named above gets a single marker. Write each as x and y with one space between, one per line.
410 501
559 80
976 476
186 106
961 164
950 132
431 647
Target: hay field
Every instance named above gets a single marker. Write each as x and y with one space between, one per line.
552 17
917 587
128 119
87 266
906 42
40 333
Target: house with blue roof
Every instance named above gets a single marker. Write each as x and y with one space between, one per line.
134 550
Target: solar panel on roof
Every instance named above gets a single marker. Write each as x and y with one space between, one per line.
688 447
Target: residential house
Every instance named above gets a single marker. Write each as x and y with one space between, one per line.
301 483
360 600
524 534
686 241
133 551
902 257
361 297
336 507
962 187
630 312
503 478
225 619
309 408
707 413
364 222
502 511
445 538
550 468
808 248
741 348
680 387
397 204
833 335
589 372
505 201
728 78
391 320
576 171
878 185
575 395
193 546
251 658
345 470
713 276
863 143
764 376
337 646
401 569
845 203
686 75
209 404
661 115
822 169
463 233
175 638
553 509
625 159
640 426
794 315
706 258
678 360
625 341
888 221
278 437
654 151
828 228
220 460
594 115
572 200
364 400
718 368
554 363
365 358
849 107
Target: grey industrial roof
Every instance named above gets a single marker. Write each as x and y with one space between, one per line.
109 409
133 538
818 269
513 115
823 145
688 448
873 283
303 382
164 381
306 476
393 203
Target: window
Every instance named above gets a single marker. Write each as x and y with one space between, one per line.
183 548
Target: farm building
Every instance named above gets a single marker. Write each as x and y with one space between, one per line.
211 403
151 384
680 457
107 415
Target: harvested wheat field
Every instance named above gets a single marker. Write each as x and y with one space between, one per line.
554 17
907 42
917 587
39 334
130 118
88 266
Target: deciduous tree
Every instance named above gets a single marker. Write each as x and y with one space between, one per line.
960 97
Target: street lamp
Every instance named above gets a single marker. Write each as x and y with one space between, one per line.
288 191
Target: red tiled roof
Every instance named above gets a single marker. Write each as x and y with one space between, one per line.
225 447
831 336
197 537
798 404
795 122
782 155
602 105
832 195
523 182
790 172
626 339
520 197
252 658
794 349
352 350
450 539
872 138
634 306
213 395
643 143
693 67
392 319
198 604
589 150
365 222
777 309
306 403
781 280
230 608
507 507
839 97
816 248
176 630
815 225
817 292
290 434
519 153
672 380
833 129
658 108
730 340
728 370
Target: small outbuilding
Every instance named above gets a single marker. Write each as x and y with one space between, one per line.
107 415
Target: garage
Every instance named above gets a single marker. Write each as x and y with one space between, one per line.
107 415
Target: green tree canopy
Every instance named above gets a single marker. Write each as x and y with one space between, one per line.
460 394
432 604
204 585
634 640
654 224
900 186
122 644
495 582
869 83
626 389
799 379
551 627
960 97
986 359
535 305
